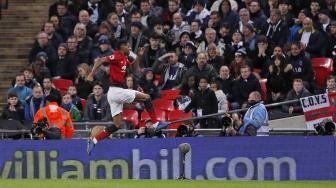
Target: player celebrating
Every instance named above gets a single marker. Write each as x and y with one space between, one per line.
116 95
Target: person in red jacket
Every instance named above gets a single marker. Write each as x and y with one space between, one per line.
58 120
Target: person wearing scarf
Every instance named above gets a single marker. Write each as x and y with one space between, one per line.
70 107
34 103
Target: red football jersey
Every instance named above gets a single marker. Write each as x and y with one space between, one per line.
118 65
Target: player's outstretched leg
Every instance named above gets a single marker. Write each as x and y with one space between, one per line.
105 133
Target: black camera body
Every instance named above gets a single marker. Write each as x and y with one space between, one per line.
152 132
39 127
327 127
185 131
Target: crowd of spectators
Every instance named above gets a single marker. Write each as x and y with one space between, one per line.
226 44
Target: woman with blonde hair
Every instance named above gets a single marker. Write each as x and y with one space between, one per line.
83 85
84 41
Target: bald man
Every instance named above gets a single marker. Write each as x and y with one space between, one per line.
256 118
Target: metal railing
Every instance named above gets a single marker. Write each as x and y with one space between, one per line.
85 127
3 5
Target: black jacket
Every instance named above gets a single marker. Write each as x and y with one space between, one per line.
13 115
226 86
205 100
279 36
315 46
242 88
91 109
208 71
65 68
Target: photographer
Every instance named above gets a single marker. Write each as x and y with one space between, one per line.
187 130
52 121
254 121
149 131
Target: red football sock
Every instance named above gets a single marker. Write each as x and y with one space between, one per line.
102 135
152 115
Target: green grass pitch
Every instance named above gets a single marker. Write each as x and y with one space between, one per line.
162 184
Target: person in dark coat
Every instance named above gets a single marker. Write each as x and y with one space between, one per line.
204 102
227 15
202 68
64 68
147 83
13 110
243 87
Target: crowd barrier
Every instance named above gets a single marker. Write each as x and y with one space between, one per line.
215 158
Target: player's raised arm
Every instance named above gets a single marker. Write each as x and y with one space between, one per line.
97 63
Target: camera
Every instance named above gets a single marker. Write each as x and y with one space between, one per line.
39 127
326 127
185 131
226 121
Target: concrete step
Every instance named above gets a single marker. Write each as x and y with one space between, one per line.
13 56
14 50
16 45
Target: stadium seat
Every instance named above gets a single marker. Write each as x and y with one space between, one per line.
175 115
170 94
131 116
62 84
83 103
263 88
164 104
160 114
322 67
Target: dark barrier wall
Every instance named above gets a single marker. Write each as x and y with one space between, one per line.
244 158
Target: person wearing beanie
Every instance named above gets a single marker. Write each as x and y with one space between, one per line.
324 21
136 39
64 67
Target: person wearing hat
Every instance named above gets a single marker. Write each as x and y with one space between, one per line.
200 12
324 21
188 55
39 67
152 52
103 48
239 60
136 39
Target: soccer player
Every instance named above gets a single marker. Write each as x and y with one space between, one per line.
116 95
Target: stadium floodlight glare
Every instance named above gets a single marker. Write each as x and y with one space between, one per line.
184 149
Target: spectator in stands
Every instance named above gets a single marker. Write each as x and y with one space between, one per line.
20 90
298 91
196 33
147 83
314 10
97 10
84 18
83 85
173 7
188 55
76 100
200 12
104 29
147 131
67 21
214 21
29 77
76 56
202 68
49 90
123 15
243 86
210 37
236 44
104 48
171 71
64 68
152 52
178 27
227 15
13 110
97 107
119 32
226 80
257 16
255 119
40 70
70 107
262 57
184 38
331 85
239 60
286 14
276 30
85 42
302 67
311 39
214 58
189 86
58 29
279 79
148 11
137 38
331 48
221 97
244 18
250 38
42 45
204 102
34 103
297 24
54 38
324 21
